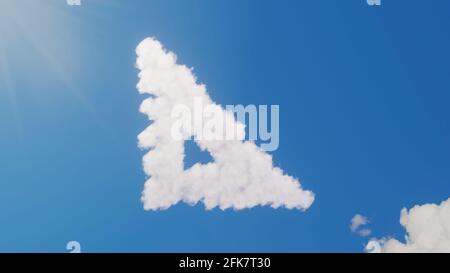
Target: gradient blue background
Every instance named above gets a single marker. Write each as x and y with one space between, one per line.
363 94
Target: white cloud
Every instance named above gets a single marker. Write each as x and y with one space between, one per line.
356 222
364 232
241 176
427 230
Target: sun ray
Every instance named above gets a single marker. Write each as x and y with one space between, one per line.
55 19
5 77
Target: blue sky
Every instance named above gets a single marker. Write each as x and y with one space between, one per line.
364 118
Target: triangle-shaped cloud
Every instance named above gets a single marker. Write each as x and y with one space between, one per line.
241 176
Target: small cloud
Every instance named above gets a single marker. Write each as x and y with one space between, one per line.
356 222
364 232
427 230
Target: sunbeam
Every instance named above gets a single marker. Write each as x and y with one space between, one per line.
7 84
46 27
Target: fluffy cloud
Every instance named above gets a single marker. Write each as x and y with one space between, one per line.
356 222
241 176
427 230
364 232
